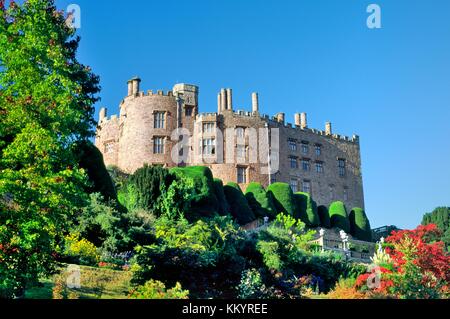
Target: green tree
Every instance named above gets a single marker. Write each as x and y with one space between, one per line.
441 218
339 216
239 207
307 209
283 198
46 107
360 225
260 201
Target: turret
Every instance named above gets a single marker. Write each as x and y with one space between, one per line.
328 129
103 113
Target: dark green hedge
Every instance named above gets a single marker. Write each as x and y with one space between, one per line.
324 216
91 159
306 209
339 216
360 225
205 204
283 198
239 207
223 208
260 201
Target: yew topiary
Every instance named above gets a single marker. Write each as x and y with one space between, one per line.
360 225
324 216
239 207
306 209
260 201
339 217
283 198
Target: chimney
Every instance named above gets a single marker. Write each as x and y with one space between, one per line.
229 99
281 117
255 102
328 129
130 88
298 121
303 121
223 94
102 115
219 103
135 82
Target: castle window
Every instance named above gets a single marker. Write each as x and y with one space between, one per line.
294 185
189 111
242 175
241 151
306 187
319 167
294 162
209 146
306 165
160 119
240 132
342 167
109 148
158 145
318 150
208 127
305 147
293 145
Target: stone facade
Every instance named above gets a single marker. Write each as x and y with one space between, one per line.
167 129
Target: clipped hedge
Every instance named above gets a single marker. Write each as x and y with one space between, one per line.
239 207
260 201
223 208
324 217
360 225
339 217
91 159
306 209
283 198
205 202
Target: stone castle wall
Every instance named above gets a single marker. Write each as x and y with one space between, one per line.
127 142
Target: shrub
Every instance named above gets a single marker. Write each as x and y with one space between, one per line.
339 216
157 290
360 225
260 201
251 285
81 251
205 202
224 208
283 198
239 207
91 159
345 289
324 216
307 209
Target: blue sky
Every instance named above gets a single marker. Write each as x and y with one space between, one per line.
391 86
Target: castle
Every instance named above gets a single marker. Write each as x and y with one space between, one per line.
167 129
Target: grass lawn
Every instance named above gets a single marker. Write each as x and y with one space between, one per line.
96 283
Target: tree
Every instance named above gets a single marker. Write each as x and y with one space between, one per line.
283 198
360 225
46 107
441 218
260 201
307 209
239 207
324 216
339 216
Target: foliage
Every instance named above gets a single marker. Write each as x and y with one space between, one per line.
307 209
157 290
324 217
283 198
91 159
260 201
239 207
360 225
339 216
205 202
252 286
202 256
224 208
441 218
345 289
46 107
80 251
